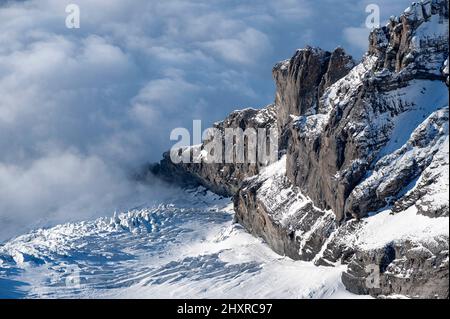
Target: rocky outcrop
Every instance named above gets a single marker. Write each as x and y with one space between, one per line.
222 178
268 206
399 251
374 139
360 116
302 80
430 196
395 171
403 268
403 44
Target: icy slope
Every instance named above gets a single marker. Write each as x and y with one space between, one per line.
186 249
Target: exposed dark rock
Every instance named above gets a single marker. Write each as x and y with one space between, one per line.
269 207
302 80
222 178
398 47
331 150
394 172
405 268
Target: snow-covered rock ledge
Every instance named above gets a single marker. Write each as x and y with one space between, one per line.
408 250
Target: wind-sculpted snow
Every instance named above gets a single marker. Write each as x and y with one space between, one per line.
185 248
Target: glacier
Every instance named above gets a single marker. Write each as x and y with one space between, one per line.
185 247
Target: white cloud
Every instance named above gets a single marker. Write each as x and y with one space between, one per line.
357 37
245 48
292 9
161 98
62 187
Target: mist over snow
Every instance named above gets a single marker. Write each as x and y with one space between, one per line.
81 108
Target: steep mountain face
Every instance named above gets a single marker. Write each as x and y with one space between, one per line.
269 206
362 178
222 178
359 118
416 41
301 80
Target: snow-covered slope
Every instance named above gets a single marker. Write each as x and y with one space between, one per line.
185 248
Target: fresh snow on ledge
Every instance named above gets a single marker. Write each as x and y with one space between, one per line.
384 228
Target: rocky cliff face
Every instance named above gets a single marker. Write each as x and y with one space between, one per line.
302 80
363 173
359 118
222 178
270 207
415 41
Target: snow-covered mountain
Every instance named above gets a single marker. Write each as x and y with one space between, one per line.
356 205
362 179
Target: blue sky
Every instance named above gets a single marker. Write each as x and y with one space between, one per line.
81 106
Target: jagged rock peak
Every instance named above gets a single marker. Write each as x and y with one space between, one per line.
360 118
418 39
301 81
